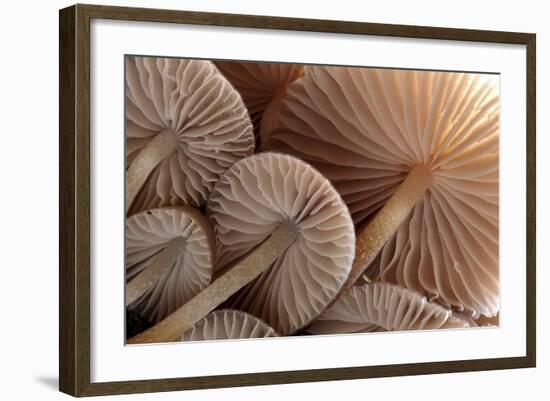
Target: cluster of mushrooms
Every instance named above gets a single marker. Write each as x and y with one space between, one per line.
269 199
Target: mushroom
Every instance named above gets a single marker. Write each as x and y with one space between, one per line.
261 85
422 147
283 228
249 203
228 324
185 125
169 259
383 307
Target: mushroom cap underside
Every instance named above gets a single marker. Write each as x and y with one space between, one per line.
202 114
147 235
383 307
228 324
251 200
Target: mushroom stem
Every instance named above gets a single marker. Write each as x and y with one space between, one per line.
259 260
159 265
144 163
380 229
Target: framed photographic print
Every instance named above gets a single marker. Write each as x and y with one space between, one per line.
305 200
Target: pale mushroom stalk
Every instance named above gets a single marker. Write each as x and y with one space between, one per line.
145 162
171 328
385 223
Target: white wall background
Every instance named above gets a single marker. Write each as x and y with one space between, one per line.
29 185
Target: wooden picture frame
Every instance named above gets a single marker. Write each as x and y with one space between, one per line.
74 203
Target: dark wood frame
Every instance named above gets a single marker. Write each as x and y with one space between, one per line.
74 199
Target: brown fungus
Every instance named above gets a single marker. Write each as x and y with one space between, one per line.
185 125
415 155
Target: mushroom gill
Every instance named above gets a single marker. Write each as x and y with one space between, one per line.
415 155
261 85
169 257
185 125
228 324
383 307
